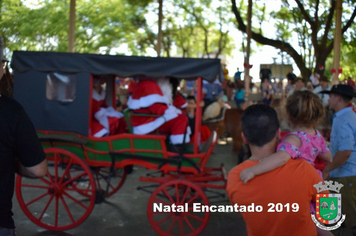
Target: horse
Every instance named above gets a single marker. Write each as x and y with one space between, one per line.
228 123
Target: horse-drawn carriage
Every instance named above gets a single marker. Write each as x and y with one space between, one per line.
55 89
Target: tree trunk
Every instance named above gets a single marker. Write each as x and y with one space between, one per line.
248 46
71 33
160 36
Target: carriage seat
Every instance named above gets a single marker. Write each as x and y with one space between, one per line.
128 113
217 118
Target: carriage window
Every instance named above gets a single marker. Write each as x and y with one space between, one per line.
60 87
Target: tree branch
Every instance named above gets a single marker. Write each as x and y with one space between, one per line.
350 21
330 47
305 14
240 22
283 46
313 24
222 43
328 24
202 26
316 16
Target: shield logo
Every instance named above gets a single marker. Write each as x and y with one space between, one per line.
328 208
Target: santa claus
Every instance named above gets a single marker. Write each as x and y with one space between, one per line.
106 120
152 96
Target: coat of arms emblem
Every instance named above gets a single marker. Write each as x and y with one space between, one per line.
328 206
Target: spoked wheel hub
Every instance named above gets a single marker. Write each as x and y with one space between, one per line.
170 208
58 201
55 190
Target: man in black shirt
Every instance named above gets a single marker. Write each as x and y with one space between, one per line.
291 76
265 72
20 151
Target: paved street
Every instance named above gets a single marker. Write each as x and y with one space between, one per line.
125 213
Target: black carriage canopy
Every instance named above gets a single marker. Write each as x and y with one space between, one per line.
123 66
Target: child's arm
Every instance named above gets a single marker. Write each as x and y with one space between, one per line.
326 157
267 164
325 152
271 162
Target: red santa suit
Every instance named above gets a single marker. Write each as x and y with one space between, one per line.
147 97
105 120
179 101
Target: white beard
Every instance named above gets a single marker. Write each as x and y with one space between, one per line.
166 88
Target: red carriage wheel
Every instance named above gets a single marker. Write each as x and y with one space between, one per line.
105 180
110 182
58 201
180 193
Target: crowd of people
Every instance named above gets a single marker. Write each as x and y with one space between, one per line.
289 173
269 88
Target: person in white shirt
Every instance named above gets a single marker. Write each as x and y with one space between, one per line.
323 86
314 78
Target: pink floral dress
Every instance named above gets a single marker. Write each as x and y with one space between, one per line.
312 146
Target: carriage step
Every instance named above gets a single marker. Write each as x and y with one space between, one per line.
148 188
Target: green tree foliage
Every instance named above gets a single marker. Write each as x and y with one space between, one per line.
190 29
313 23
99 24
102 26
26 29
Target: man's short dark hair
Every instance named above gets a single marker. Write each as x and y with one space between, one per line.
191 97
345 98
259 124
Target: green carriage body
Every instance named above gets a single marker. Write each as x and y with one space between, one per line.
151 150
